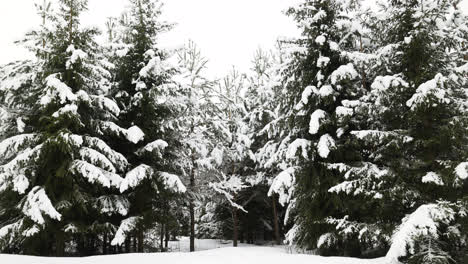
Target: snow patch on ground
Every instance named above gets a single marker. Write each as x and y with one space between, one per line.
227 255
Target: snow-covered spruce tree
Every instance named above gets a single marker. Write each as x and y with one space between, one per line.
418 108
60 176
150 101
324 77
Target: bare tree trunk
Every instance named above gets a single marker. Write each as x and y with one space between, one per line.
127 244
135 242
167 235
235 227
104 244
192 208
60 244
275 221
161 238
140 241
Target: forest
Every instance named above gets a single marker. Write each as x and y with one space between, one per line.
350 140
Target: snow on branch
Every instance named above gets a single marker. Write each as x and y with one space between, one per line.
135 134
424 221
303 144
172 182
12 145
432 177
97 159
157 145
461 171
229 188
115 157
344 72
126 226
325 145
107 104
135 176
70 109
383 83
13 173
429 91
358 180
283 185
316 120
380 135
95 174
56 88
37 204
11 229
76 56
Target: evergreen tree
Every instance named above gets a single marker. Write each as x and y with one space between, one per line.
418 106
321 84
59 174
151 101
196 130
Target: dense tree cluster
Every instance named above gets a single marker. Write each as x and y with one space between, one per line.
350 140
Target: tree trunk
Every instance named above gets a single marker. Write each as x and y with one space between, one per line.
275 221
60 244
104 244
127 244
235 227
166 242
161 238
140 241
192 208
135 242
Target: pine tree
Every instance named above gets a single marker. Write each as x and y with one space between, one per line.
415 136
150 102
322 80
196 130
59 173
232 146
260 100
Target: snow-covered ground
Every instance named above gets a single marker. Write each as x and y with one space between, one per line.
226 255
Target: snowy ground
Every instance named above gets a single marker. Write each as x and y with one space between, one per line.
226 255
183 245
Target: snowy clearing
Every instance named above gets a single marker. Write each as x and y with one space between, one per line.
244 255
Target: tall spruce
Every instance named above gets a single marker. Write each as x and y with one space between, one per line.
150 102
323 78
419 120
58 173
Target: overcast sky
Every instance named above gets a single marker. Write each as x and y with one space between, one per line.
227 31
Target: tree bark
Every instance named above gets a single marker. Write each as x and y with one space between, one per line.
192 208
104 244
166 242
60 244
235 227
161 238
127 245
140 241
275 221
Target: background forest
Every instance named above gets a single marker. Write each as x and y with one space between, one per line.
350 140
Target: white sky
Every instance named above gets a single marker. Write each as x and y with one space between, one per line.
227 31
